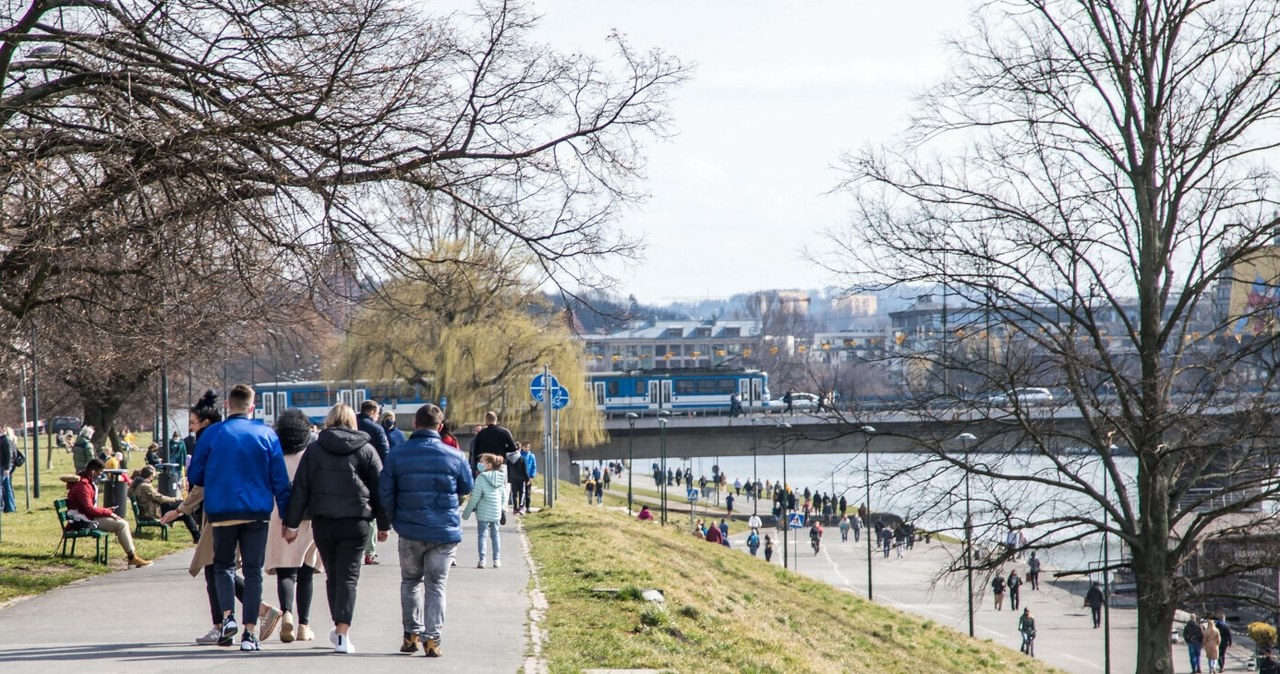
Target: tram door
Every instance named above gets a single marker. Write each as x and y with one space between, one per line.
272 405
756 393
599 391
660 394
344 396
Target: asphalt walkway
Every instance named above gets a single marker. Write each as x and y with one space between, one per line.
146 620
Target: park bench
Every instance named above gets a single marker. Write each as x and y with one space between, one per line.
140 523
100 541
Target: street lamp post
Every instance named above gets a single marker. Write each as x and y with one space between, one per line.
755 475
1106 568
786 515
867 432
662 443
965 439
631 455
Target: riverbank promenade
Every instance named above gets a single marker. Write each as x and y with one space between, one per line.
146 620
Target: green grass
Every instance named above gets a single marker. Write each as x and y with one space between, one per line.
28 561
725 611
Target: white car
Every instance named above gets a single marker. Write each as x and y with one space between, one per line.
800 402
1026 396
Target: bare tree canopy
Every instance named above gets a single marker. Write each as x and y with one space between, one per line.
1090 190
288 116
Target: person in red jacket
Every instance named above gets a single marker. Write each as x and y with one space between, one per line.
81 495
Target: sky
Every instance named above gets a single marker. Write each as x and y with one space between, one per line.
781 90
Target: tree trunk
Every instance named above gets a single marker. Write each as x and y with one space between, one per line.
101 414
1157 596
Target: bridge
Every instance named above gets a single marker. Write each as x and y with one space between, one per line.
898 431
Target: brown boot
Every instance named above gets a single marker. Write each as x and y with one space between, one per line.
135 560
410 643
431 648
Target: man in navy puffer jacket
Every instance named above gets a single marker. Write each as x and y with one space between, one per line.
241 467
422 483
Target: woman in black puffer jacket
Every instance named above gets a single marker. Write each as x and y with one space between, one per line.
336 486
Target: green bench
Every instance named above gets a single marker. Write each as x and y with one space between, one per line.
100 537
140 524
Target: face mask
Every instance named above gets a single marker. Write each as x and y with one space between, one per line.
480 467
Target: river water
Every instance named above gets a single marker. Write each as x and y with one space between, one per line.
925 489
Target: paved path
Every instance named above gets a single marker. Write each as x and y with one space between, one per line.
146 620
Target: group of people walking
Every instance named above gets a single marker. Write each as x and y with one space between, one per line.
1209 636
295 504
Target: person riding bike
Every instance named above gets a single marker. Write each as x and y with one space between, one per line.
815 537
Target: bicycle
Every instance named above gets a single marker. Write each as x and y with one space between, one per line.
1029 644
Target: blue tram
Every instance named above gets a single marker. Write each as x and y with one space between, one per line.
315 398
648 391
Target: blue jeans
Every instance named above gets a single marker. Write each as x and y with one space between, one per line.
251 539
1193 650
6 487
492 528
424 571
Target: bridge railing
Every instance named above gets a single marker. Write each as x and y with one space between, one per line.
1210 498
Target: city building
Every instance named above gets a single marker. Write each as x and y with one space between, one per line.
674 345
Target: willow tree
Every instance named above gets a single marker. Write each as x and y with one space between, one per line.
474 331
1090 188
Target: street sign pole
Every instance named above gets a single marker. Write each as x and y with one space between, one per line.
549 449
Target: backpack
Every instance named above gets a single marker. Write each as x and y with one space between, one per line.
19 459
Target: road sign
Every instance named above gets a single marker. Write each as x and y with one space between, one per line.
538 387
444 403
559 397
693 494
796 520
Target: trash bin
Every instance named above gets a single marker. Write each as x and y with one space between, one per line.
170 478
115 492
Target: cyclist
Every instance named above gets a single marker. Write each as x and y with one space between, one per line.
815 536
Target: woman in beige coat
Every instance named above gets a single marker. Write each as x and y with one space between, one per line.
293 563
1212 639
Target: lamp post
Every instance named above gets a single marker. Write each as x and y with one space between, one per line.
755 476
1106 568
631 459
662 428
966 439
786 515
867 432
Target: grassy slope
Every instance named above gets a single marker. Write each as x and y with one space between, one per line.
28 564
725 610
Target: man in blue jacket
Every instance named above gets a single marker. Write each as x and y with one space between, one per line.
240 465
422 483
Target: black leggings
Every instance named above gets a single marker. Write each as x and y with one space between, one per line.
299 578
340 543
215 609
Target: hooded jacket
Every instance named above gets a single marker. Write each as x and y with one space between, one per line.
337 479
488 497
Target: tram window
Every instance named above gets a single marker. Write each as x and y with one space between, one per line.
612 389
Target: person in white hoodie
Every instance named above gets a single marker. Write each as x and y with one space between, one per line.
486 501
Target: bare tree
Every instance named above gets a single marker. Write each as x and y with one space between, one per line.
1084 184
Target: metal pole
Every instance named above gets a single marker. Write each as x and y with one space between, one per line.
164 410
786 497
1106 580
548 478
662 444
631 456
868 431
26 434
755 475
35 414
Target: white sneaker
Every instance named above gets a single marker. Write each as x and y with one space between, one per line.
333 637
480 564
344 644
497 564
211 637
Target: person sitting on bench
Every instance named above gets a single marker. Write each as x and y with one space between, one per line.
80 508
152 505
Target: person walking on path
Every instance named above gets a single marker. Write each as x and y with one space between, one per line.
8 464
421 487
395 436
367 423
1095 600
531 472
1224 631
1193 636
1015 583
1027 628
844 529
590 486
81 495
337 485
1033 572
492 439
1211 642
997 590
768 548
202 416
293 563
487 500
241 467
753 542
